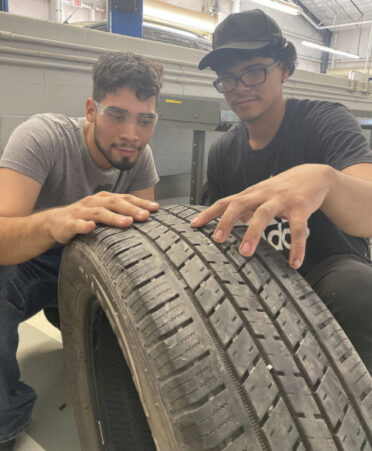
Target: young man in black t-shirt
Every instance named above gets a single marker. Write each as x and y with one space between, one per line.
299 170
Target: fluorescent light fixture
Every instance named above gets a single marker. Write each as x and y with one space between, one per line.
281 5
177 19
329 49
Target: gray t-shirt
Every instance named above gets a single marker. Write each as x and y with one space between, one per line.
51 149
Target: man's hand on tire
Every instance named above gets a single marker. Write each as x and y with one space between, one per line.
294 195
116 210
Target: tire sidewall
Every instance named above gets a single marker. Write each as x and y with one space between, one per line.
93 288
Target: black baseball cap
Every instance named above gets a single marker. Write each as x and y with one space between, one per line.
247 30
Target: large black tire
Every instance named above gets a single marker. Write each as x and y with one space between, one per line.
226 353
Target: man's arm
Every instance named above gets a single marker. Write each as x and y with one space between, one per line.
24 235
345 197
349 200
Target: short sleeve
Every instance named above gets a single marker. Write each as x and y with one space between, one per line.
144 174
340 137
30 150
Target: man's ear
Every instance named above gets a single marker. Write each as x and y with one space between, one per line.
90 110
285 72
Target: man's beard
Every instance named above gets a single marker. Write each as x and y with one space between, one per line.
123 165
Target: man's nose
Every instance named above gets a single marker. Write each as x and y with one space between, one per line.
129 130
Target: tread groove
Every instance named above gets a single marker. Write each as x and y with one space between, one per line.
229 366
175 330
196 405
146 282
185 368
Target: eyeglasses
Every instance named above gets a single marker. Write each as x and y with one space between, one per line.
253 77
118 116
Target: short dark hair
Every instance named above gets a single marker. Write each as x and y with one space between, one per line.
113 70
281 50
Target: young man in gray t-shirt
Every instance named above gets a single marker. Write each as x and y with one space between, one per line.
60 176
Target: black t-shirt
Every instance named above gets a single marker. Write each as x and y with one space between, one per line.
311 132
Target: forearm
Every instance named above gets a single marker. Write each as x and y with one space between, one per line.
23 238
348 203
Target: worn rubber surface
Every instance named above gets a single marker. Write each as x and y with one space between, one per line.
226 353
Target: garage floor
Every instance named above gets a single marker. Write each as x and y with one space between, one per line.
53 425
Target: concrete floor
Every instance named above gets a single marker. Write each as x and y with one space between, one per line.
40 356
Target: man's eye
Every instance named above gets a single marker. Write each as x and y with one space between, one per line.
146 122
118 117
254 73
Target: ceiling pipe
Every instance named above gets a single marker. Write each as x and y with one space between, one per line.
331 27
361 12
343 10
369 53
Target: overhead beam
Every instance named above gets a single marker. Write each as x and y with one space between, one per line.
326 37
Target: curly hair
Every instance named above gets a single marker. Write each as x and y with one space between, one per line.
281 50
113 70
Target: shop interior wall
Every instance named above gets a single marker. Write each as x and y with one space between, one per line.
354 40
27 90
39 9
295 28
172 147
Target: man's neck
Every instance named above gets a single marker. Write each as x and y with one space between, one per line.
263 129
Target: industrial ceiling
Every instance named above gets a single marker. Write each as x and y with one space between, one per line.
325 12
334 12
